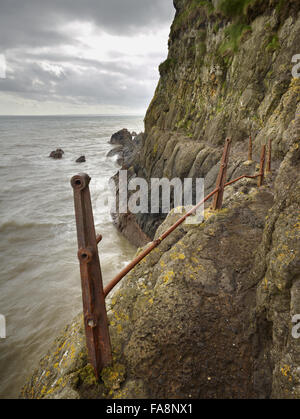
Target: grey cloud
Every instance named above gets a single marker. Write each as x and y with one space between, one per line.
95 83
120 66
104 89
26 26
39 22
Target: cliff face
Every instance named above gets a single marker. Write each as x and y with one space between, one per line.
209 313
228 67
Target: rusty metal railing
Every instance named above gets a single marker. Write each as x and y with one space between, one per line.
94 310
93 294
153 245
250 149
262 167
221 179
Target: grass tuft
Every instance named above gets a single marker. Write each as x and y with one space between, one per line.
233 35
234 8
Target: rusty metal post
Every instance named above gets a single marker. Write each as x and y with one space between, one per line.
250 149
221 180
94 310
268 170
262 166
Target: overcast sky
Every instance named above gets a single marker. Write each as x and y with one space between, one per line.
81 56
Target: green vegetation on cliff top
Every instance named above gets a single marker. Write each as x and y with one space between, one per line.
183 19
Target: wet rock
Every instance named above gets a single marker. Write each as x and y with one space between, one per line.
128 148
122 137
81 159
125 149
115 151
139 139
57 154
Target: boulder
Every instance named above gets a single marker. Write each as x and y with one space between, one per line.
127 148
115 151
57 154
81 159
122 137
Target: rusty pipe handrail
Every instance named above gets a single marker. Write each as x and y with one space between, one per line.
93 294
157 242
250 149
153 245
221 179
262 166
242 177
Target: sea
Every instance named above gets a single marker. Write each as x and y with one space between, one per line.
40 290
